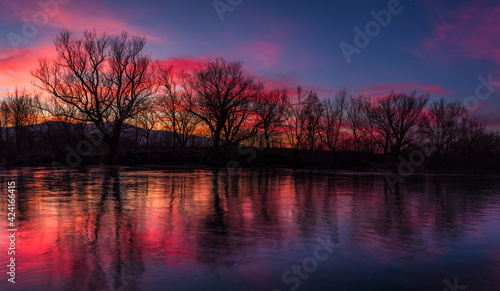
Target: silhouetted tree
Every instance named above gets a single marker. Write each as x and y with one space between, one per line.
356 118
295 121
492 142
3 127
107 79
394 119
441 125
175 106
222 98
21 114
471 132
334 119
147 120
58 130
270 111
370 127
110 82
313 111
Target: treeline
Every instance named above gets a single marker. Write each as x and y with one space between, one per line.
109 83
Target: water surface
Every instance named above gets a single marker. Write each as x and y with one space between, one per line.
141 229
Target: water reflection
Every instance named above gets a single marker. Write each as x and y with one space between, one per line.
138 229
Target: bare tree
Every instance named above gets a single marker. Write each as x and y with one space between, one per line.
147 120
295 121
356 118
270 110
21 114
370 127
222 100
394 118
313 114
334 119
3 127
441 125
471 132
106 79
175 105
58 126
45 129
492 142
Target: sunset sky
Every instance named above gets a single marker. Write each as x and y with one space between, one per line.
441 48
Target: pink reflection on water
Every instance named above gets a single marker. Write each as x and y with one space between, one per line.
111 228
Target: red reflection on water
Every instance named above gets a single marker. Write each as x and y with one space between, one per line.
103 229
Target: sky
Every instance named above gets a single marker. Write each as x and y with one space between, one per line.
448 48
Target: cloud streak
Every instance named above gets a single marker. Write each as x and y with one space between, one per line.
15 66
467 32
382 90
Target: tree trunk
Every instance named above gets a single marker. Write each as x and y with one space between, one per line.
216 141
266 136
112 143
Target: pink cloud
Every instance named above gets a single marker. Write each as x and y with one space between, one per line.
488 112
265 53
76 17
102 23
467 32
15 66
277 81
384 89
184 64
19 9
271 81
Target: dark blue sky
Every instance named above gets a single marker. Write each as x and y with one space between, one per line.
441 48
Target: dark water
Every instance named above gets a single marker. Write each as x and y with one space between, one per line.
136 229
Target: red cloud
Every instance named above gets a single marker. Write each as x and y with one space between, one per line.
15 66
184 64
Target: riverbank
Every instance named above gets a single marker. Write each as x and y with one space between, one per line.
239 158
